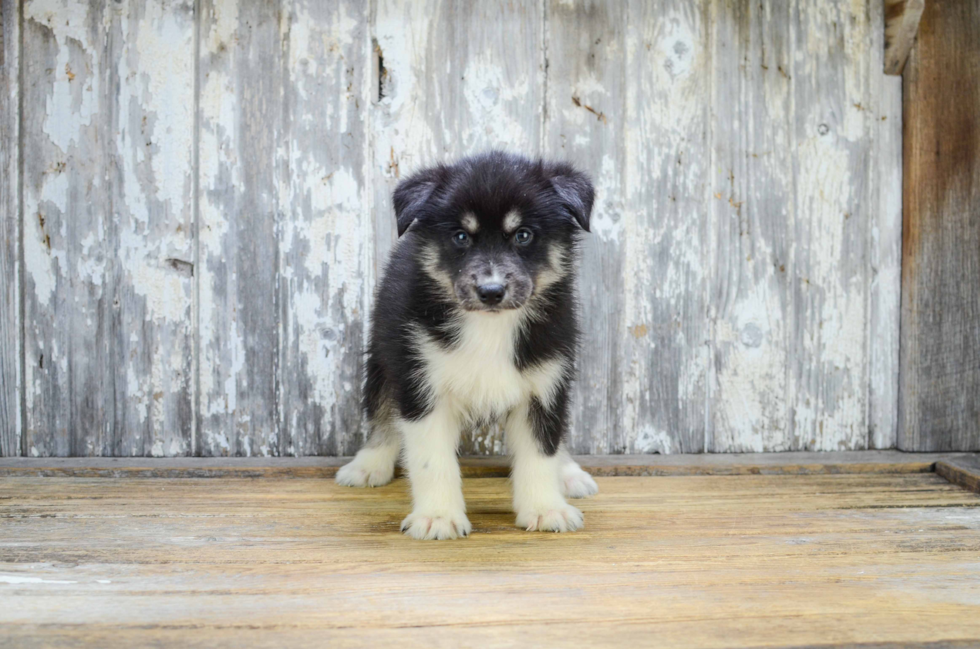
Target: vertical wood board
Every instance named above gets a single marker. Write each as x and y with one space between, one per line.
457 78
327 225
11 320
939 401
150 116
66 221
239 202
665 227
585 122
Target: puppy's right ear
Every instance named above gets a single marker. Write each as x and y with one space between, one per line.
413 193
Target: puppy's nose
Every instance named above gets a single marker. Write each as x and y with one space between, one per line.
490 294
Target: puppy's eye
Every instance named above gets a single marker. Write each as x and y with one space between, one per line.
460 238
523 237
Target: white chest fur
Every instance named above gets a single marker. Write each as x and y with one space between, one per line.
478 375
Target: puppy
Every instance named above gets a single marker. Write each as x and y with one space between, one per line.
475 321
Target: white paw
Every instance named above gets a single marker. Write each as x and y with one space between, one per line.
367 469
576 483
426 526
561 518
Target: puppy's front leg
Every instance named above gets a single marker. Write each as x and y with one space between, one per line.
439 511
538 499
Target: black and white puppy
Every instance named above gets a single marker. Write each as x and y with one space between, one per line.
475 321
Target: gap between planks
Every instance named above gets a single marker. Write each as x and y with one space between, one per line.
960 468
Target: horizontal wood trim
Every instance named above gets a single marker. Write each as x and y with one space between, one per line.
795 463
964 471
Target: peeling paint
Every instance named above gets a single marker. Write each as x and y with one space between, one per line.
739 285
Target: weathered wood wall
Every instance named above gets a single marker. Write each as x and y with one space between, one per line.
940 350
200 207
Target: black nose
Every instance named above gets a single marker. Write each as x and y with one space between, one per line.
491 294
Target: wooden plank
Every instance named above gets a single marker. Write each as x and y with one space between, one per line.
784 561
886 268
791 463
68 376
150 333
325 236
12 323
464 78
585 123
665 227
751 199
961 470
940 348
833 95
239 200
901 25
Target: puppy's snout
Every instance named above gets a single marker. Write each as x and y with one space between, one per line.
491 294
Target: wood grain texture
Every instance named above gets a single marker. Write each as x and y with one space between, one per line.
752 202
940 348
782 560
327 225
790 463
901 25
664 287
964 471
239 200
585 121
207 211
794 205
11 322
68 283
886 268
150 174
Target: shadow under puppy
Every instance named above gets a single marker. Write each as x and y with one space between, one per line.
475 321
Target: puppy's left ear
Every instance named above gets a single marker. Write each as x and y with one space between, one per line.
575 193
412 194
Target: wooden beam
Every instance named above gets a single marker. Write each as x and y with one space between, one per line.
939 409
962 470
795 463
901 25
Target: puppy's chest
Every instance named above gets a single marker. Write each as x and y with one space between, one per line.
479 371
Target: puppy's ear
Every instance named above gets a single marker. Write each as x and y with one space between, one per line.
575 193
412 194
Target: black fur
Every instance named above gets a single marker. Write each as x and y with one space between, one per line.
555 203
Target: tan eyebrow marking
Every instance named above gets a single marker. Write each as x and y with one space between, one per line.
470 224
511 221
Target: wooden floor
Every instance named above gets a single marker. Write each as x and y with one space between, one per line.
695 561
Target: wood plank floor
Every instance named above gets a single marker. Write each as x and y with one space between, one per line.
697 561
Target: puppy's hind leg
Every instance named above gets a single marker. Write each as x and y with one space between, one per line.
575 483
538 499
374 464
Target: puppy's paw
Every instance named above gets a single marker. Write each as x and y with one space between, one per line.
436 526
576 483
560 518
367 469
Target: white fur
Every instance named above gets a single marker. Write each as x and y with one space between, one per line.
470 223
477 378
373 466
512 220
439 511
575 483
538 499
474 379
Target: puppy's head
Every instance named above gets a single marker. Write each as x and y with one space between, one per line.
495 229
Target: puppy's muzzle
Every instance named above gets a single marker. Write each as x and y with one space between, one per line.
491 294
